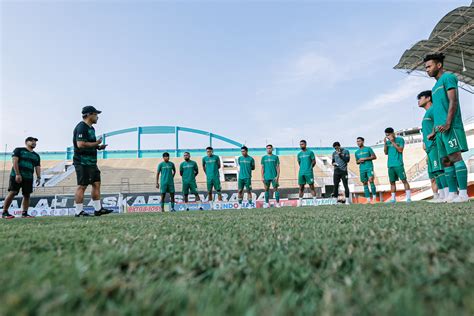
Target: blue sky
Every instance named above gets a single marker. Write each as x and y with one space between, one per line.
256 72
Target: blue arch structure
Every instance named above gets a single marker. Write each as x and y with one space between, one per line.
142 130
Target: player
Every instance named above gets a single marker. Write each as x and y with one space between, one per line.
167 171
85 161
449 129
188 170
246 166
211 165
25 163
271 175
306 161
393 147
435 168
340 159
364 158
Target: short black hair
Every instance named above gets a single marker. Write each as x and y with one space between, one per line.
166 154
425 94
244 148
361 138
207 148
187 152
269 145
389 130
336 144
302 141
437 57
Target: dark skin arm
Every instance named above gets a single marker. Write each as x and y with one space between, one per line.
158 179
372 157
16 167
313 163
96 144
38 175
453 106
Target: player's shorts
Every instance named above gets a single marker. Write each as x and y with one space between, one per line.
166 187
453 141
396 173
306 179
87 174
272 182
434 162
245 183
190 187
26 186
365 175
214 183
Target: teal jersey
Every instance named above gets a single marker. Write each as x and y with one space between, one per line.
427 128
395 159
211 165
166 169
189 169
270 164
365 152
305 160
440 100
246 165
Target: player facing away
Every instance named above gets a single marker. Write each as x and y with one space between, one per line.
165 184
246 165
364 158
86 146
435 168
449 129
306 161
340 159
25 163
393 148
211 165
271 175
188 170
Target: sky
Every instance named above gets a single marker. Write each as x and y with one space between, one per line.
256 72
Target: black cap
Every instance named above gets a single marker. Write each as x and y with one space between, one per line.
28 139
90 109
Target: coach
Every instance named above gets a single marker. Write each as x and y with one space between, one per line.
340 159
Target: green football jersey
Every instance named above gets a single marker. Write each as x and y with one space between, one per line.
365 152
166 169
440 100
305 159
27 162
246 165
270 164
189 170
427 128
395 158
211 165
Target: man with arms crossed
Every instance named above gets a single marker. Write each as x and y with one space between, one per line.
435 168
246 166
166 184
393 148
449 129
364 158
85 161
188 170
306 161
271 175
25 163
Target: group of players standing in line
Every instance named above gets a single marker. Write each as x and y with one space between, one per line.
444 140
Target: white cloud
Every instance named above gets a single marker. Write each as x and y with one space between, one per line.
407 88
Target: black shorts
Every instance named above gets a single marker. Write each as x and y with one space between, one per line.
87 174
26 186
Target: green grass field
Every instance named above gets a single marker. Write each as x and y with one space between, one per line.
413 259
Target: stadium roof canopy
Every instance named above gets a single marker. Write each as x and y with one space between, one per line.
454 37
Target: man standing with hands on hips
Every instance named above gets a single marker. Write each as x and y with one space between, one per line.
85 161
